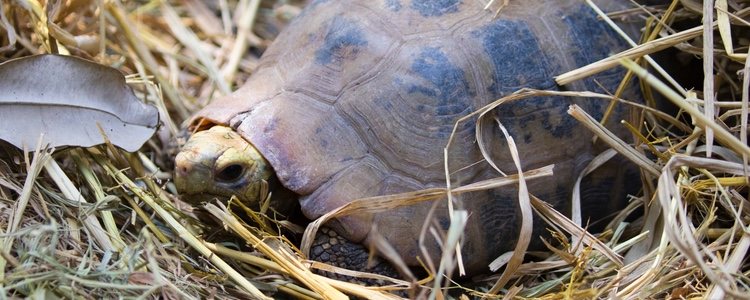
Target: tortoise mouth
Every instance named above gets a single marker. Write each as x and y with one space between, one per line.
201 198
198 199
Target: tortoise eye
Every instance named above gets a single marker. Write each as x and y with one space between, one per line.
231 173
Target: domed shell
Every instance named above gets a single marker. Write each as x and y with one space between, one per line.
359 98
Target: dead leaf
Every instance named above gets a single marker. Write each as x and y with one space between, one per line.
65 98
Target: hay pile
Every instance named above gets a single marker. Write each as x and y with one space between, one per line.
102 223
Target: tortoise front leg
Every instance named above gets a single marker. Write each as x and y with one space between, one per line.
331 248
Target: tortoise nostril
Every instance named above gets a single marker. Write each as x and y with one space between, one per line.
231 173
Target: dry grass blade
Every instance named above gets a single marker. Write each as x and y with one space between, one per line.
745 111
679 227
244 26
708 67
41 157
455 231
91 181
635 52
239 256
136 42
497 7
9 30
575 230
188 38
733 264
524 204
611 139
721 133
291 266
632 43
72 193
725 30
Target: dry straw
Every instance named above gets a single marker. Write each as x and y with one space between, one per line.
101 223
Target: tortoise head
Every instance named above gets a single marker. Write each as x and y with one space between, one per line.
219 163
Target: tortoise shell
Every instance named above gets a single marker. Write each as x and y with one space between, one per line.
358 98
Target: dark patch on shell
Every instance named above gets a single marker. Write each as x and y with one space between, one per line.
444 222
500 221
563 127
516 57
393 5
446 83
596 40
343 40
527 115
527 138
435 8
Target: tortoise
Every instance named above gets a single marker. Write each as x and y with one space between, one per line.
358 99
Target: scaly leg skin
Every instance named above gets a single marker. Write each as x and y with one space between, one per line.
331 248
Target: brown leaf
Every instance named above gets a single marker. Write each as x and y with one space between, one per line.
65 98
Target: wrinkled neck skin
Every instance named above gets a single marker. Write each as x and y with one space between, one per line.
218 163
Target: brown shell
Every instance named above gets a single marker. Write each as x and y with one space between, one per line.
358 99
